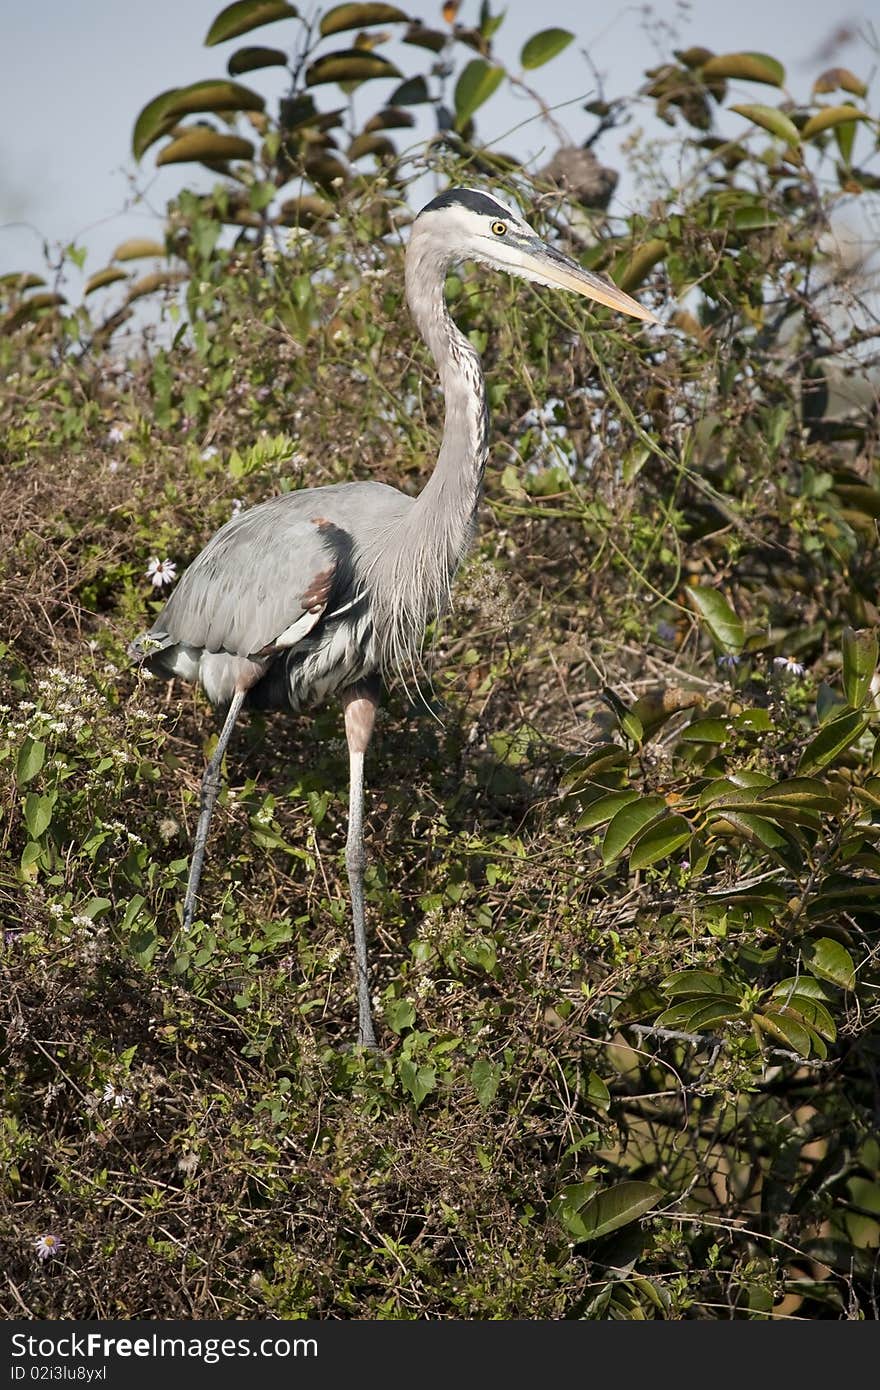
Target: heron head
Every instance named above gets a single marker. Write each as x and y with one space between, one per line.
464 224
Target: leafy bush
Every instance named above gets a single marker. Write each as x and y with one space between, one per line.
624 877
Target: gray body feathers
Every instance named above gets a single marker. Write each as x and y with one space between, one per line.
279 600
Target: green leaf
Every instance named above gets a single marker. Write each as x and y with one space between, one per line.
540 48
696 982
832 739
349 65
31 756
137 248
602 810
753 721
144 944
419 1081
566 1205
597 1092
859 663
726 790
399 1015
695 1015
640 263
659 841
343 17
752 826
719 617
805 793
205 144
705 731
245 15
754 219
252 59
828 960
214 94
813 1012
38 812
840 78
784 813
369 143
30 856
413 92
606 756
770 119
485 1076
786 1029
629 821
108 276
480 950
615 1207
20 281
829 117
152 122
133 911
748 67
423 37
476 84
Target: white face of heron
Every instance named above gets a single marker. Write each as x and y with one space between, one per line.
468 225
465 224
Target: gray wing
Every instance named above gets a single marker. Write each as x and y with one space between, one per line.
260 583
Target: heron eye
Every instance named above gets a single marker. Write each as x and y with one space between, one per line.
499 228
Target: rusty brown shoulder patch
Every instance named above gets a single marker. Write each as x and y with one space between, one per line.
316 595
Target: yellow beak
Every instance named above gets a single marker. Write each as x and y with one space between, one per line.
550 267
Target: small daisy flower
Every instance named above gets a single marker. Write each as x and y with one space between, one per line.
48 1246
161 572
113 466
210 452
118 1099
728 662
116 434
788 666
237 505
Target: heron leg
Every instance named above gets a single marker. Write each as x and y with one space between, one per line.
360 704
210 788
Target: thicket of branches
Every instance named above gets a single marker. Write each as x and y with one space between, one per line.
624 881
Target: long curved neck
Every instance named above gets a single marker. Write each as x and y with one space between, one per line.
446 507
413 578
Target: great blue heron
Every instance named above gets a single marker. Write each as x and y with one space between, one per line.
317 593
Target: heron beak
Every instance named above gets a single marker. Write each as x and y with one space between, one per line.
552 268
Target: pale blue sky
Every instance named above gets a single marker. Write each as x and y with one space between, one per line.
78 71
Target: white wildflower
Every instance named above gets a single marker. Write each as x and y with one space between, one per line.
118 1099
788 666
298 236
47 1246
161 572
